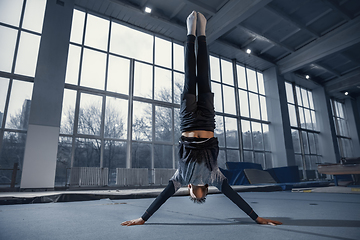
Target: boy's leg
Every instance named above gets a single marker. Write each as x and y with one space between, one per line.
190 62
204 84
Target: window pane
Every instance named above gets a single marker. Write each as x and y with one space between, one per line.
244 105
263 108
134 44
93 69
178 57
347 148
266 137
34 15
313 120
10 11
114 157
163 157
312 143
251 76
248 156
27 54
340 110
141 155
257 136
308 119
259 158
261 83
143 80
215 68
289 92
4 85
177 132
233 155
178 86
116 116
311 100
118 75
142 121
19 106
63 160
231 132
77 26
97 32
87 152
292 115
305 97
68 112
299 162
219 130
241 76
254 106
12 151
90 114
227 72
268 161
302 118
216 89
163 124
73 63
7 47
229 100
162 52
305 142
298 95
296 140
246 134
163 84
316 137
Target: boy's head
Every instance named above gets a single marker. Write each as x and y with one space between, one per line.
198 193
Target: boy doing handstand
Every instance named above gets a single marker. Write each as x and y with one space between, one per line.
198 148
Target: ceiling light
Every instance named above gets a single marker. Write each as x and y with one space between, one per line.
346 93
248 51
147 10
307 76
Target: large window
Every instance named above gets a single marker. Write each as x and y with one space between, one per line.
241 116
341 128
303 129
121 98
20 30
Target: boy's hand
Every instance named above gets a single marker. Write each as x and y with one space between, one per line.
260 220
138 221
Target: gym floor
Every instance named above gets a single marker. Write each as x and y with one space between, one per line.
305 215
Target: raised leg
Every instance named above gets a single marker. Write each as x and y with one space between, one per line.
190 61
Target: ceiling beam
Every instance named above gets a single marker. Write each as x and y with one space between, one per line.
335 41
318 65
231 15
291 20
334 6
345 82
204 8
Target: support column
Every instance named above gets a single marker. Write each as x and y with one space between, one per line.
352 108
44 124
279 129
328 145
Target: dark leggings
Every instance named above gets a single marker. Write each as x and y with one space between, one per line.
202 66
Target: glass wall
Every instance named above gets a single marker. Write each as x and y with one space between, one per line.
341 128
20 30
121 101
304 130
241 116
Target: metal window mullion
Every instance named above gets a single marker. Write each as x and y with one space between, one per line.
130 114
237 105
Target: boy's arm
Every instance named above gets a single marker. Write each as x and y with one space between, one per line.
156 204
227 190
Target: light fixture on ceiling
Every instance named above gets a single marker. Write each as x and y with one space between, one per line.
346 93
147 10
248 51
307 76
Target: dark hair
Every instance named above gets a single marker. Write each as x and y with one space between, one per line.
198 200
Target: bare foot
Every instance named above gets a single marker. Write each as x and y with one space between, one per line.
201 24
191 23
